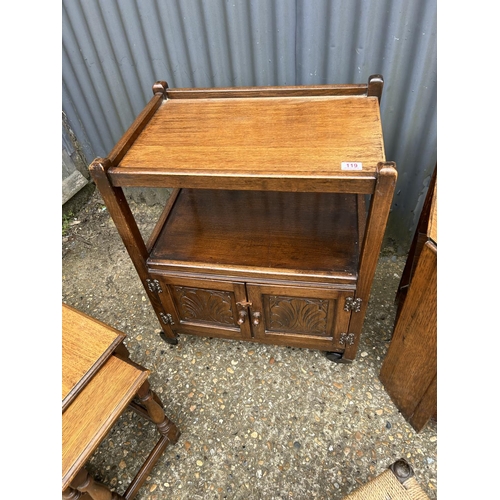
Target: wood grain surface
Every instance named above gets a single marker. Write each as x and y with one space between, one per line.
280 137
316 232
91 415
409 370
86 344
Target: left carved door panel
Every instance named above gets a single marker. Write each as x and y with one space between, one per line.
203 307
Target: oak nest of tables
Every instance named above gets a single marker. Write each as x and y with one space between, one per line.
99 382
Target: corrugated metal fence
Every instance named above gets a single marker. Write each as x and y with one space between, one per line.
113 51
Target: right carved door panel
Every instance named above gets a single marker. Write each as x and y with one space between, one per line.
298 315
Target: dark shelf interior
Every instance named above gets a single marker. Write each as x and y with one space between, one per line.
308 232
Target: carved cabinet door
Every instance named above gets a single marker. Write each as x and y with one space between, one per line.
303 317
205 307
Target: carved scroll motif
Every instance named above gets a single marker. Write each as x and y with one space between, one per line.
198 304
297 315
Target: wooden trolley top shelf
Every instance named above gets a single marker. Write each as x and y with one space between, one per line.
285 143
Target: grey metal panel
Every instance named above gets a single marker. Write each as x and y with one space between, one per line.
67 144
114 51
398 40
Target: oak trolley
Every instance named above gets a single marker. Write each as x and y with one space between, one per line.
274 227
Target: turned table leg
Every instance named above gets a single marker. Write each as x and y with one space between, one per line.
150 406
154 408
71 494
84 483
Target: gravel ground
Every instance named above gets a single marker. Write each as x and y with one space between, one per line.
257 421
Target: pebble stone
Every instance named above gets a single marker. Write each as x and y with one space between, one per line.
257 421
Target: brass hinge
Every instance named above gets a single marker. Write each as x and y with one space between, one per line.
347 338
167 319
154 286
352 304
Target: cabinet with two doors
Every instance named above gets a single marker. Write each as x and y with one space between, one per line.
268 313
274 227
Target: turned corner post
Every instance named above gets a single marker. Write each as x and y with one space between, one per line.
160 87
375 87
99 167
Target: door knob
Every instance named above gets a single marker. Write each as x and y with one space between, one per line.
256 318
241 316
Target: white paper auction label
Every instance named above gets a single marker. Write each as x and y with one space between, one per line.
351 165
